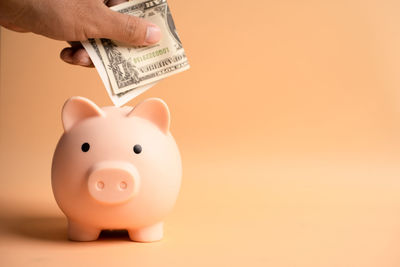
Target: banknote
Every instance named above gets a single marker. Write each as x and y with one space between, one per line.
129 67
117 99
127 71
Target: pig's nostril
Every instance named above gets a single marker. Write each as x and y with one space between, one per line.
100 185
123 185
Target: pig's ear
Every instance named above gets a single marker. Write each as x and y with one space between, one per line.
77 109
154 110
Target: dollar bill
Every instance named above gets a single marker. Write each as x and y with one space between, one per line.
128 71
117 99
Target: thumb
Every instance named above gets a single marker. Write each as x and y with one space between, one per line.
127 29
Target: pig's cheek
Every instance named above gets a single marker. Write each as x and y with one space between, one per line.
70 169
160 171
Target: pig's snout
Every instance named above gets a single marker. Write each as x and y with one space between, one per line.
113 182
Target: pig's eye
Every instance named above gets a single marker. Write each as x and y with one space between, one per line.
137 149
85 147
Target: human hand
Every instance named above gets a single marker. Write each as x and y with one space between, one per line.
76 20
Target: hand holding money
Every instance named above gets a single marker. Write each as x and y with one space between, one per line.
126 66
128 71
76 20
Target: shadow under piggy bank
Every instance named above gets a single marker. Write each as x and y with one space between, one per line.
53 229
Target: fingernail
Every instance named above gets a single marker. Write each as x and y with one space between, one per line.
153 34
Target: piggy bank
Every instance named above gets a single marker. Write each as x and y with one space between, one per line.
116 168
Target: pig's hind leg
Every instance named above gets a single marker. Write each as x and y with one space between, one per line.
81 232
150 233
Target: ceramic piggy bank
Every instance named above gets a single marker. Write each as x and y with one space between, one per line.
116 168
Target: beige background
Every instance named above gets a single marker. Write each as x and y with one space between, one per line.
288 124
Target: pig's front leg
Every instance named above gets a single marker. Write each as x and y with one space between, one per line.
81 232
150 233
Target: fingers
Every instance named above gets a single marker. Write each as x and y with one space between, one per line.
127 29
76 56
113 25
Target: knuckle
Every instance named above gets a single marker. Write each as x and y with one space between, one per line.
86 31
84 26
131 29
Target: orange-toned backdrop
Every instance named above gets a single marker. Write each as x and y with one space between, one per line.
288 122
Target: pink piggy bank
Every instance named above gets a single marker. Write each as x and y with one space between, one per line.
116 168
